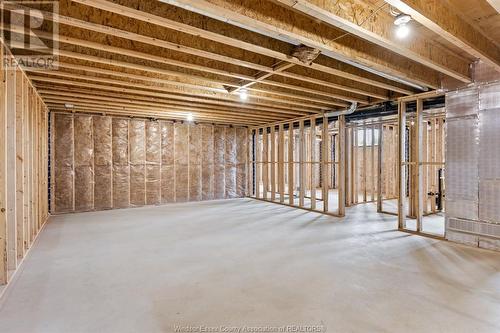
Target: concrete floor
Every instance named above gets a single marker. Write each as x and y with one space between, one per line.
248 263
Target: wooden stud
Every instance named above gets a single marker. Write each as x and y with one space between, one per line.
341 166
291 160
281 166
401 165
326 162
302 174
313 160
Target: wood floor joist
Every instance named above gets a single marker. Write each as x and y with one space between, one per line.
183 94
336 90
199 55
436 16
145 100
123 90
141 106
273 20
215 31
378 28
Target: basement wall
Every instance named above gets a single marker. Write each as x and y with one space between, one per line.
107 162
473 162
23 167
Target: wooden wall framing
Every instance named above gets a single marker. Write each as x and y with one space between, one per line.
23 165
415 168
300 163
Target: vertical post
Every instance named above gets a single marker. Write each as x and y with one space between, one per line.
281 166
273 163
11 169
341 166
347 165
291 199
312 164
258 162
365 163
251 162
401 165
20 182
433 168
418 165
372 165
355 177
3 170
379 168
326 162
301 163
265 162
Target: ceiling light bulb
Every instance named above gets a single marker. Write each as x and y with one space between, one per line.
243 94
402 31
189 117
68 106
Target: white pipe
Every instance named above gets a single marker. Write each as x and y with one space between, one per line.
352 108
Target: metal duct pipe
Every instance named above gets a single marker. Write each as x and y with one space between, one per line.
352 108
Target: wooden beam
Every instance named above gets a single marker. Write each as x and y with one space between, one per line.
210 29
441 19
90 97
495 4
156 93
350 96
163 110
171 87
281 23
261 93
377 26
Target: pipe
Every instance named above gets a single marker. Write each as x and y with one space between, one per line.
352 108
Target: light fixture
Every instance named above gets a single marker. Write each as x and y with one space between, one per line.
68 106
402 31
243 94
401 22
189 117
402 19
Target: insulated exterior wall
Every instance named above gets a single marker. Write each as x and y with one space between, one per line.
473 165
167 162
102 162
63 163
117 162
83 159
153 159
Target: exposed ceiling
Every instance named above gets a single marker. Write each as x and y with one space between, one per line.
173 57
